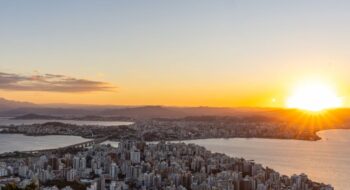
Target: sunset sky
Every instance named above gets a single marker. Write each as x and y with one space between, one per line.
181 52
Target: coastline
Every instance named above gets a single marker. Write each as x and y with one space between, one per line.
316 136
175 140
202 155
282 170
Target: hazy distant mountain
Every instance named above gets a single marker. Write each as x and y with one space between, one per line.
145 112
177 112
37 116
222 111
10 104
106 112
16 108
80 118
48 111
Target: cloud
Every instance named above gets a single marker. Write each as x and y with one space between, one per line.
50 83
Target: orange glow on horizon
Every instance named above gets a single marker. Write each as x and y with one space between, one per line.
314 96
222 95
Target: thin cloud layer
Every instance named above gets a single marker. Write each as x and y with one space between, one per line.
50 83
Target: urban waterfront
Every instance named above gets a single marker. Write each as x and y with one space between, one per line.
153 166
325 160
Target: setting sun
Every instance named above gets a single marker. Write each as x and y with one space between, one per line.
314 96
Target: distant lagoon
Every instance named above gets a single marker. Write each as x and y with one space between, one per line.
20 142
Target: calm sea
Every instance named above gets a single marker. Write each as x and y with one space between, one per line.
326 160
19 142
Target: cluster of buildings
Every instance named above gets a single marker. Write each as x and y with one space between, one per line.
137 165
221 127
176 129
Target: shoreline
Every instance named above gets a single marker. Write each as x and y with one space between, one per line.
184 139
205 153
258 141
166 140
180 139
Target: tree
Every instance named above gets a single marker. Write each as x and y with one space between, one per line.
11 186
31 186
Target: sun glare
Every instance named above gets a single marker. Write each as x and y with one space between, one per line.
314 96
